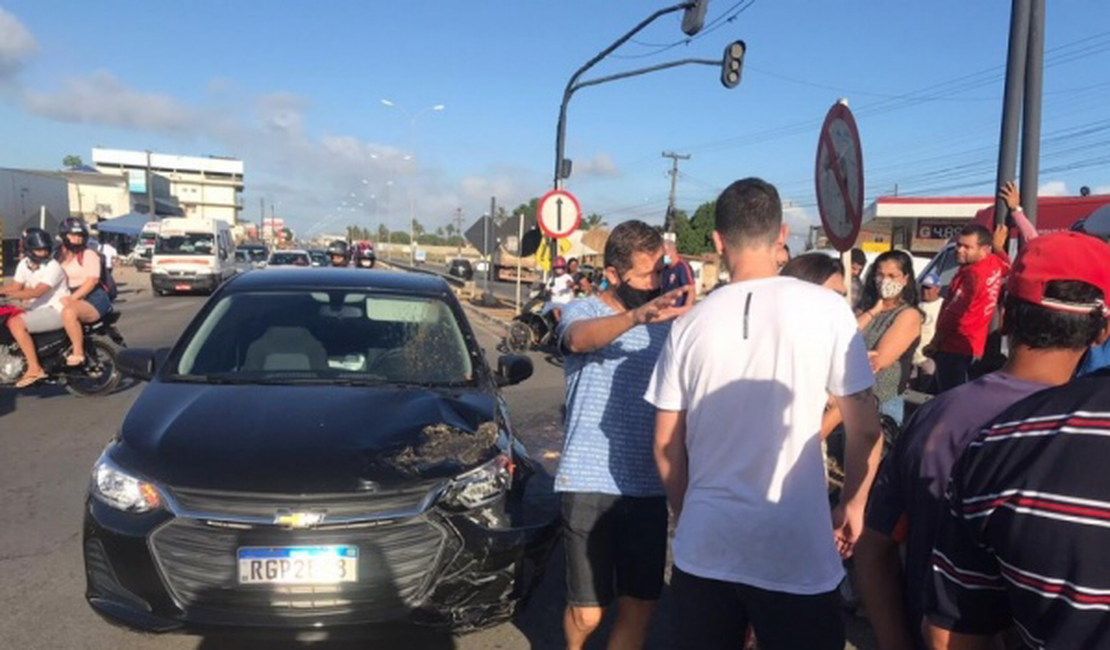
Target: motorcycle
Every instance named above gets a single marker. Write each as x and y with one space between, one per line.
98 376
533 327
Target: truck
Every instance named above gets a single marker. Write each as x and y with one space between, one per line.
144 249
192 254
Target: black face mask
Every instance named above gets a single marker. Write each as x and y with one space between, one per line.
635 298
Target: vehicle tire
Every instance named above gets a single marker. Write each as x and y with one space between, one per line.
103 374
520 337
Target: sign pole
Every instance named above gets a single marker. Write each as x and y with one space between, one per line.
519 247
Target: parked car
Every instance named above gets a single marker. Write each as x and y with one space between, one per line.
460 268
291 257
319 452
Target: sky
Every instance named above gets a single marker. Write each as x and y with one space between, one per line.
295 90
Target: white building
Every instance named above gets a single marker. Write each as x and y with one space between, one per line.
200 186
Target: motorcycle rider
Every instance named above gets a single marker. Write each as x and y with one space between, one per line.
560 287
40 281
88 302
339 253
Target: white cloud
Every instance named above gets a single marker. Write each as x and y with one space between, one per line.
16 45
601 165
309 176
1053 188
101 98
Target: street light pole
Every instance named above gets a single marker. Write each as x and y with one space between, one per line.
412 147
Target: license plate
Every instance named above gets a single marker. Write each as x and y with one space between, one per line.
182 287
292 565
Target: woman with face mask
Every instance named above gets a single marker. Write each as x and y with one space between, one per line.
891 325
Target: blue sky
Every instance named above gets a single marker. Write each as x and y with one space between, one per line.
294 89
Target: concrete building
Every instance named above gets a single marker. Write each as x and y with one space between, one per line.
193 185
27 199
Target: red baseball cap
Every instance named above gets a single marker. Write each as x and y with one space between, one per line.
1061 256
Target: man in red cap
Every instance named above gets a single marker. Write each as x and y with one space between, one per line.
1023 535
1054 311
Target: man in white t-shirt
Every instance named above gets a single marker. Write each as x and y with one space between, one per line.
41 283
110 254
739 389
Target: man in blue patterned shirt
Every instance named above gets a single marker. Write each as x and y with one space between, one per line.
613 504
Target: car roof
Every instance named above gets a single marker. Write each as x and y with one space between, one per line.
294 251
336 278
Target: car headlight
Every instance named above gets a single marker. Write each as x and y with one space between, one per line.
159 271
480 486
117 488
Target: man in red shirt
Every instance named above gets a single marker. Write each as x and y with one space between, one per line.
965 318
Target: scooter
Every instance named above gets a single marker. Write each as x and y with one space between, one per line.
98 375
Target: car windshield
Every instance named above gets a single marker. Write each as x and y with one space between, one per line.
319 257
256 254
185 244
241 256
289 259
326 337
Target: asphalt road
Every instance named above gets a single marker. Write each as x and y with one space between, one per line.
50 439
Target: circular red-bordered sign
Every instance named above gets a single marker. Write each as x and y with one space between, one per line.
838 175
558 214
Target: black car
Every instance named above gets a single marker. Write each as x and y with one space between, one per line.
460 268
322 451
319 257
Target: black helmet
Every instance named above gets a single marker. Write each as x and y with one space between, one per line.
73 226
37 239
340 248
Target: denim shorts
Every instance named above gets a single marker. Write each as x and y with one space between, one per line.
99 301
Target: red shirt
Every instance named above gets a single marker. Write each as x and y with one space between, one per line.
965 318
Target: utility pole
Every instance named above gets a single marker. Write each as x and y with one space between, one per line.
261 218
153 212
668 223
458 228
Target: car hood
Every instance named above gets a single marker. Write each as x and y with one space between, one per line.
303 439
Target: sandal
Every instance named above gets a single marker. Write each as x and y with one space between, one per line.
73 360
28 380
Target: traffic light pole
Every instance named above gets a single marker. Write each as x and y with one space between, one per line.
560 135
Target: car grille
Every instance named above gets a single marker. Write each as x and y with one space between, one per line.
397 560
210 504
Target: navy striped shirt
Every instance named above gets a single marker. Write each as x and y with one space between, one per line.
1025 537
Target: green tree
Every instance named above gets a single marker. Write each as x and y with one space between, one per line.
694 236
450 230
72 162
383 232
529 211
417 229
440 232
593 220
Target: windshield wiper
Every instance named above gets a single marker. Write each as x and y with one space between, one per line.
206 379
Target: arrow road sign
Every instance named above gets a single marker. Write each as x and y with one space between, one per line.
559 214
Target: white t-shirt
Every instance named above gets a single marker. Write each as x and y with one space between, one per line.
562 288
50 274
109 252
752 365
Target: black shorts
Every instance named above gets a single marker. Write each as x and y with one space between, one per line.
714 614
615 546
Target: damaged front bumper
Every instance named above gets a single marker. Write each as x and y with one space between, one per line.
455 570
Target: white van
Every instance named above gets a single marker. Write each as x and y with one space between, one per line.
192 254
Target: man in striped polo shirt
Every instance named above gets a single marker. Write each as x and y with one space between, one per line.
1023 536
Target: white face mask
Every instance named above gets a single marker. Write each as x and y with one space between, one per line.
890 288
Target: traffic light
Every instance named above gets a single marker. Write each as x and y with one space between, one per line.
694 18
732 64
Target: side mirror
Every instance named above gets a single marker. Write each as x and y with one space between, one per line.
513 369
141 363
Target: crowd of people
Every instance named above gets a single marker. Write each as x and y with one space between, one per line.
981 527
59 287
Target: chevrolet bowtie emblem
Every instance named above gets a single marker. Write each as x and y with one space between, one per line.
298 519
